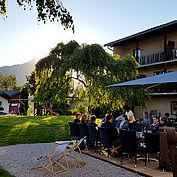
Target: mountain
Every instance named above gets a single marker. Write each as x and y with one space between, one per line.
20 70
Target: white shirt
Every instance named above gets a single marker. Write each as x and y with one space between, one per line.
130 113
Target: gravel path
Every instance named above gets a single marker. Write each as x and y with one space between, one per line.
18 159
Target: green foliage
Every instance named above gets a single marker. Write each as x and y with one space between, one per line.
52 10
80 107
8 82
73 73
4 173
31 83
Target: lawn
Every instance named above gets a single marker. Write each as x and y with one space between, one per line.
39 129
26 130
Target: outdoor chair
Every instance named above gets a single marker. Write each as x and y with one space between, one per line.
129 145
74 130
152 143
53 160
104 139
74 158
58 158
138 127
93 135
83 130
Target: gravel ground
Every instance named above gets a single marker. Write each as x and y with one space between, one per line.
18 159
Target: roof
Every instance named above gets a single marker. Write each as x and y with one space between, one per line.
154 30
167 79
9 93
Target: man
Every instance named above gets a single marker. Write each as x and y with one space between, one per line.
109 112
163 122
167 116
154 127
146 119
113 133
77 119
169 122
93 120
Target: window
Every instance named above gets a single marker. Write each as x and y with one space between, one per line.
173 107
137 55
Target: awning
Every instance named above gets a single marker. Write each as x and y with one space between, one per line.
162 80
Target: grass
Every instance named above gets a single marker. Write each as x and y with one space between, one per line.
27 130
39 129
4 173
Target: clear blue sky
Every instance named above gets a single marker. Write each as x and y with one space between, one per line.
96 21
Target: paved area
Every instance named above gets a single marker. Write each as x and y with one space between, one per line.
18 159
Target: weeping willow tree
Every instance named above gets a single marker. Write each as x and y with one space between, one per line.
74 73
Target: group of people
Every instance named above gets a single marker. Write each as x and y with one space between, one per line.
156 122
84 118
125 121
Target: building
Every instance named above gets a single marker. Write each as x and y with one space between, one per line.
156 51
9 102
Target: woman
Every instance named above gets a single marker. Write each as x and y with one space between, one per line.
84 118
130 116
124 122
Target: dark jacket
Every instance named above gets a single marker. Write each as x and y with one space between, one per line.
113 133
154 128
77 120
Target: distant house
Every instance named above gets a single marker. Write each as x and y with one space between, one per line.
9 102
155 50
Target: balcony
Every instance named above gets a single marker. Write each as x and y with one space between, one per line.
158 57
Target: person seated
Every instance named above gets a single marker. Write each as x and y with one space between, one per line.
93 120
109 112
113 133
146 119
167 116
169 122
89 118
77 119
154 127
163 122
84 118
130 116
123 124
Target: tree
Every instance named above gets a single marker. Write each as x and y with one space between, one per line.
31 85
52 10
80 73
24 100
8 82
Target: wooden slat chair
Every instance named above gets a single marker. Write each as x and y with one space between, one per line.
72 155
53 160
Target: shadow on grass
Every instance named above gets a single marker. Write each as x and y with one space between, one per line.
26 130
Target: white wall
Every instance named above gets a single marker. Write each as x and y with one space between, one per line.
4 104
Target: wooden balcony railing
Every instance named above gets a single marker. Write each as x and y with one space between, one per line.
158 57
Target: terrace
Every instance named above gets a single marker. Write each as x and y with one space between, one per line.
158 57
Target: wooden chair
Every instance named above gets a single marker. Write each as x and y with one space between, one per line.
52 160
61 152
77 158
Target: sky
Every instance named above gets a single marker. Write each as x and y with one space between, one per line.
23 38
